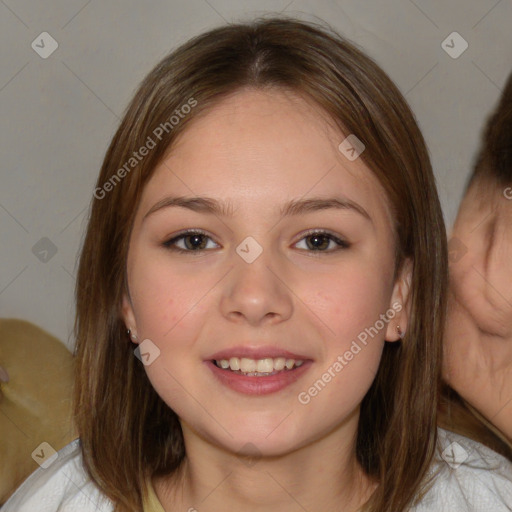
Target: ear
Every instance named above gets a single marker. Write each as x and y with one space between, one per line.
400 302
129 316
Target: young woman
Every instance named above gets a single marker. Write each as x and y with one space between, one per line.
266 234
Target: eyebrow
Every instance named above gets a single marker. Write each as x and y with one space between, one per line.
209 205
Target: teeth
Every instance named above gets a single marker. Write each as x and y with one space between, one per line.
279 363
247 365
263 366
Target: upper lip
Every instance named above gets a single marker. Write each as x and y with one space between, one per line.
257 353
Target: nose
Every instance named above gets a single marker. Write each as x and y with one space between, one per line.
256 293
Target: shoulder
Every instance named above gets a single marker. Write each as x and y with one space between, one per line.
466 475
62 486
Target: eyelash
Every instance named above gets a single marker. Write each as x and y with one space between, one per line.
169 244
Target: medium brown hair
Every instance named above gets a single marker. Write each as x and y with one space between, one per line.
127 432
493 162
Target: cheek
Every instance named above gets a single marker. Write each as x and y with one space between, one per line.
168 311
165 300
350 307
351 301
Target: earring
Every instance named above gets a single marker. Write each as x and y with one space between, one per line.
131 335
400 333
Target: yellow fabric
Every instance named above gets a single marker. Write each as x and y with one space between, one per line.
35 399
152 503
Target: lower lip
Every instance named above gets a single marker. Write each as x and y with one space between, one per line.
258 385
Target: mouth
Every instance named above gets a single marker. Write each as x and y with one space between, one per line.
258 376
264 367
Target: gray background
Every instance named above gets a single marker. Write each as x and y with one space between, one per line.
59 113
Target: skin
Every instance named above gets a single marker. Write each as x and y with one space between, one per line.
478 335
261 149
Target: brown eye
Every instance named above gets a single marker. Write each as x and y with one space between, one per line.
320 241
193 241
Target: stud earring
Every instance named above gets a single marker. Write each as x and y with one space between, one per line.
400 333
131 335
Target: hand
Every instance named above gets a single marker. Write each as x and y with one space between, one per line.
478 336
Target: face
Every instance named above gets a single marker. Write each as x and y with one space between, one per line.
308 282
480 266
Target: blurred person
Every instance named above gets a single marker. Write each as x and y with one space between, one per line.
478 335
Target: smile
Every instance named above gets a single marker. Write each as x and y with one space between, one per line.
257 380
258 367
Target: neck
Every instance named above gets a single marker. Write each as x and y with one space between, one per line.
323 475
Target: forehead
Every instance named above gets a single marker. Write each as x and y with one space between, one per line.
260 148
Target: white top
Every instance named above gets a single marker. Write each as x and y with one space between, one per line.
471 478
